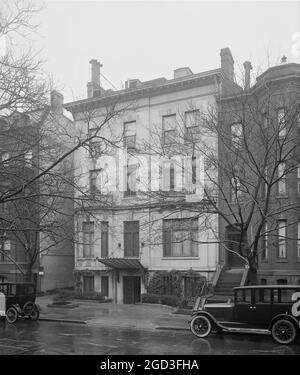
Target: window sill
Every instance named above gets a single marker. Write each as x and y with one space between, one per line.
282 261
180 258
283 196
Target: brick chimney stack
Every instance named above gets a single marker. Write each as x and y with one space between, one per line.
247 67
227 63
57 101
94 84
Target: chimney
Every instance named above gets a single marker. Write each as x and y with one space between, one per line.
132 83
247 67
94 84
227 63
57 101
182 72
283 60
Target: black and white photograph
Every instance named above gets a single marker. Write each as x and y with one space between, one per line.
149 182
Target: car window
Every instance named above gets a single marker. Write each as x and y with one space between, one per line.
243 296
12 290
283 295
30 289
262 295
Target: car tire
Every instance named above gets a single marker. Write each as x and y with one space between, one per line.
284 331
35 314
201 326
28 308
11 315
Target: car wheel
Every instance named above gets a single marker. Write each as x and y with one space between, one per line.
11 315
284 331
35 314
201 326
28 308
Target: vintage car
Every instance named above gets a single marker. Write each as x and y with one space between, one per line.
265 309
19 301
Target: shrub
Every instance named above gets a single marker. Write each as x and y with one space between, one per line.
150 298
167 299
62 296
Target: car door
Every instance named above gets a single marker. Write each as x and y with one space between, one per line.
242 312
261 312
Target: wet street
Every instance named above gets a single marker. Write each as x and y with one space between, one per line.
31 338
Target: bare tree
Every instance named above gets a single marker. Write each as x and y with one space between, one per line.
248 143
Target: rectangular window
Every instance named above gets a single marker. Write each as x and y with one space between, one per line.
131 177
298 240
104 239
97 146
88 239
236 189
237 135
94 188
168 176
169 129
281 122
131 239
282 179
5 246
192 125
130 134
28 157
180 238
264 253
281 239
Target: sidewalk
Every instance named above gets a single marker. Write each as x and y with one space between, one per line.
140 316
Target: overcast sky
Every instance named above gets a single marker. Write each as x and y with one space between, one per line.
149 39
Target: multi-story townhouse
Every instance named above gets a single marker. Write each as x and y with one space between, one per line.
268 114
36 234
128 233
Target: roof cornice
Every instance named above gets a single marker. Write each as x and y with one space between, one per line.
140 91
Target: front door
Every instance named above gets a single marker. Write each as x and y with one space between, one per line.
131 289
88 284
233 243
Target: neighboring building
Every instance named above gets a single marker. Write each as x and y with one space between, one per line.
28 144
126 235
274 105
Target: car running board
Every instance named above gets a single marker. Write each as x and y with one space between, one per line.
245 330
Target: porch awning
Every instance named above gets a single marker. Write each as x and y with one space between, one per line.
122 263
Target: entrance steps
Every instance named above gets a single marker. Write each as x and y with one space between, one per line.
228 279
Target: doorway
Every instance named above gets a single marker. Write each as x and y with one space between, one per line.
233 236
131 289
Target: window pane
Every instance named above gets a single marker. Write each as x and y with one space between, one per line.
129 128
281 122
237 134
169 122
281 238
262 295
104 239
282 181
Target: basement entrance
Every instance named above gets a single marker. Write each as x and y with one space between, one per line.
131 289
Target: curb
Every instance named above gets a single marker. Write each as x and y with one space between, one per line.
63 320
164 328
